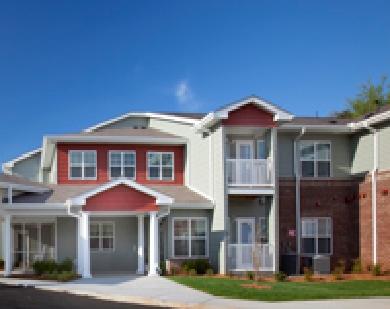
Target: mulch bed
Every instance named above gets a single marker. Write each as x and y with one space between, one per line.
35 277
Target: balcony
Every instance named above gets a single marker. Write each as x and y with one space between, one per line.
241 257
249 172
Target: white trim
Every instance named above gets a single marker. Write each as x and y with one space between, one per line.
315 160
147 115
82 165
240 220
331 128
191 206
20 187
161 165
117 139
141 245
80 200
207 237
100 236
201 193
369 121
11 163
245 142
122 166
252 191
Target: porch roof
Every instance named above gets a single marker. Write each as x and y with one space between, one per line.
61 193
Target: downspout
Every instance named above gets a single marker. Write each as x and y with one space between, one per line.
373 188
211 164
298 200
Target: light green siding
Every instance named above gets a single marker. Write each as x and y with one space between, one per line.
197 158
286 154
362 153
29 167
384 146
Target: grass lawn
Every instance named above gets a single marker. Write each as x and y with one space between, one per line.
284 291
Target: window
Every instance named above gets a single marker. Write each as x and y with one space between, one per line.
122 164
316 235
160 165
261 154
82 164
190 237
101 236
315 159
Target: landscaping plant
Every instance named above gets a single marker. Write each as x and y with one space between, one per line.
280 276
307 273
376 269
357 267
192 272
209 272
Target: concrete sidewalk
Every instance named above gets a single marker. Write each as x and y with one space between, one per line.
160 291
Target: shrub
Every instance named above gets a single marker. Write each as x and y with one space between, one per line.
209 272
1 263
163 268
308 273
337 273
376 269
175 271
201 266
341 266
54 275
66 265
192 272
280 276
357 266
230 273
249 275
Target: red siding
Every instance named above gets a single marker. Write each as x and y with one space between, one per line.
121 198
249 115
102 162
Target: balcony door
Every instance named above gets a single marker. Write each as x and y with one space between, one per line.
244 153
245 240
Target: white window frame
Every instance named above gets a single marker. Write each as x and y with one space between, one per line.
315 160
161 166
316 236
245 142
266 223
250 220
189 237
122 166
100 237
82 165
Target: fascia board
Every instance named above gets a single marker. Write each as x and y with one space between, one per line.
151 115
118 139
23 187
11 163
316 128
191 206
32 206
369 121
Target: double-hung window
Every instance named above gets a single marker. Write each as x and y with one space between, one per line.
101 236
160 165
82 164
315 159
122 164
316 236
190 237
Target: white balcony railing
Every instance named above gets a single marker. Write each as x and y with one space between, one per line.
241 257
249 172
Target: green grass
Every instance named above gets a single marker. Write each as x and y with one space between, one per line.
286 291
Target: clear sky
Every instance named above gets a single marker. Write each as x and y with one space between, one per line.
67 65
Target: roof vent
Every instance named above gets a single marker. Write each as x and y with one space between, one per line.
135 127
333 120
368 115
143 128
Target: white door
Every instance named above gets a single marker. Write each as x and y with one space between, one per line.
244 154
245 241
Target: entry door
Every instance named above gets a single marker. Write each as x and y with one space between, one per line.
244 153
245 240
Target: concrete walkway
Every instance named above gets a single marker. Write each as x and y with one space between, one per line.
163 292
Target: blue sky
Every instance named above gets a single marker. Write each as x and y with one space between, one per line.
67 65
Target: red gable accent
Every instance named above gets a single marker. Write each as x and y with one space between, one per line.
251 116
121 198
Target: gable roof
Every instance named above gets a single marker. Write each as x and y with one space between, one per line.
223 112
22 184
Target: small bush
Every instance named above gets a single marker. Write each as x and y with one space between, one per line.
230 273
280 276
66 265
200 265
376 269
209 272
341 266
163 268
357 266
175 271
54 275
249 275
192 272
338 272
1 263
307 273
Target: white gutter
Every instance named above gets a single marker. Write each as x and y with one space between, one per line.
70 213
118 139
373 188
164 214
298 199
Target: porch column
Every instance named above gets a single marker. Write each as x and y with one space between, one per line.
153 243
141 267
7 255
79 246
86 272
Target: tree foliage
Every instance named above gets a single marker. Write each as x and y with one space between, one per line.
366 98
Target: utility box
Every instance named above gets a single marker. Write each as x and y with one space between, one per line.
321 265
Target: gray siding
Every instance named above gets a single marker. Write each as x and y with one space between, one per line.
66 238
340 153
197 158
28 168
124 257
129 122
362 154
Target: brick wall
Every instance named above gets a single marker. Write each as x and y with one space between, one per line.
323 198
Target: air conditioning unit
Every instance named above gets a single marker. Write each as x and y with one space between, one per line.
321 265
